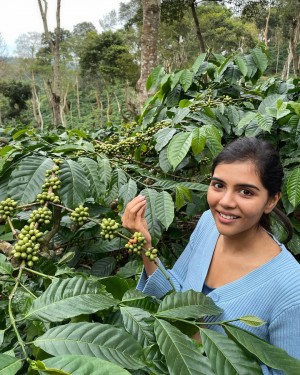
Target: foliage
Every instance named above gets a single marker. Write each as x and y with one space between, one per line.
75 309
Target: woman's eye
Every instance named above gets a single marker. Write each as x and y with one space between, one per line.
246 192
217 185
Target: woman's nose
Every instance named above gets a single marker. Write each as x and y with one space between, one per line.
228 199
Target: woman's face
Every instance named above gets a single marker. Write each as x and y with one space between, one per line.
237 198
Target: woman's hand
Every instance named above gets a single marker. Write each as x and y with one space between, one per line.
134 217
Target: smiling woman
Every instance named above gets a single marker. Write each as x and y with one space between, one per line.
232 255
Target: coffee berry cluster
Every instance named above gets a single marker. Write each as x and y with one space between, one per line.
131 143
42 215
151 253
109 228
27 246
52 182
136 243
7 208
80 215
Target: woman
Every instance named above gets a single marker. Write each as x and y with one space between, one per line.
232 256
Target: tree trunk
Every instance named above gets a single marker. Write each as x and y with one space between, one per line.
293 57
36 104
266 30
197 25
78 98
149 41
55 50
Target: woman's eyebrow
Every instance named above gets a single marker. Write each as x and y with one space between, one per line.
239 185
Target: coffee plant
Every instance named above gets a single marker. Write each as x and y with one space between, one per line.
68 270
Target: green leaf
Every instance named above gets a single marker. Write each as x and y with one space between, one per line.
80 364
293 187
226 357
213 139
9 365
171 185
90 167
164 161
182 192
241 63
164 208
186 79
68 298
175 79
252 321
260 59
180 114
104 171
199 61
185 305
154 76
93 339
179 147
27 178
5 267
150 214
103 267
74 184
182 356
246 119
72 147
135 298
265 122
163 136
268 354
128 191
137 323
198 141
269 102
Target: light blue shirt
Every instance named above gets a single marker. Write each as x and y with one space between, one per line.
270 292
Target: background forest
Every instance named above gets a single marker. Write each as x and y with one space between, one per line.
89 120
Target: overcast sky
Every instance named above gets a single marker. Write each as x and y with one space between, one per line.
22 16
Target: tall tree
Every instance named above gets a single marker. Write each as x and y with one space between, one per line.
54 45
149 43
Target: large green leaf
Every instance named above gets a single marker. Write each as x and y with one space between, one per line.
105 171
93 339
268 354
68 298
137 322
9 365
80 365
245 120
90 166
27 178
293 187
198 141
172 185
103 267
213 139
265 122
260 59
179 147
186 79
241 63
199 61
163 137
5 267
128 191
74 184
150 214
182 356
180 114
164 208
185 305
136 298
226 357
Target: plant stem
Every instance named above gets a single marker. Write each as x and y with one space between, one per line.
27 290
39 273
12 319
14 232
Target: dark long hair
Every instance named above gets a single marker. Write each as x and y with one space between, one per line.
268 166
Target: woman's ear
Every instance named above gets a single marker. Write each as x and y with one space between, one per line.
272 203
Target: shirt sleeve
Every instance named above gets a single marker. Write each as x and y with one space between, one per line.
157 284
